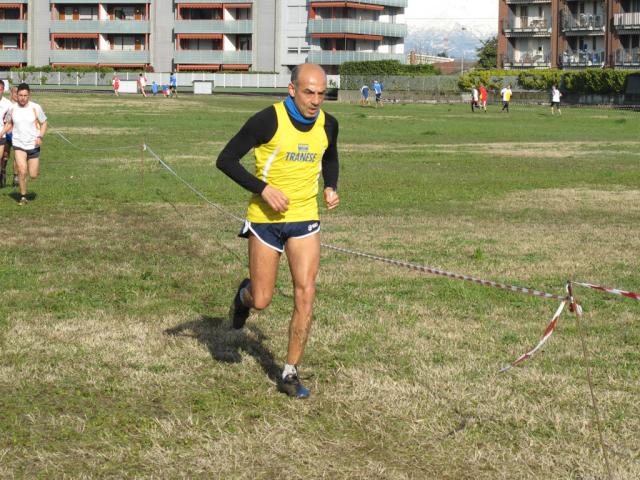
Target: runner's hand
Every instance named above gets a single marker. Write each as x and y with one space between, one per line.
275 199
331 198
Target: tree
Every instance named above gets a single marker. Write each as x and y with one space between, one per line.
488 53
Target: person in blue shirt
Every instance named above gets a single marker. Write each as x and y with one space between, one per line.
173 84
377 88
154 88
364 92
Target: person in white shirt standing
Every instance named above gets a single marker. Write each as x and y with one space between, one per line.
5 105
29 124
555 99
474 99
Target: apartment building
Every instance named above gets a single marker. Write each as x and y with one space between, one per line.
192 35
569 33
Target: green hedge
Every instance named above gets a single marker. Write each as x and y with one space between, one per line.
386 67
588 81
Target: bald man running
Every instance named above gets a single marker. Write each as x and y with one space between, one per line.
294 142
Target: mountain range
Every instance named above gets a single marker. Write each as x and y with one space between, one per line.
451 39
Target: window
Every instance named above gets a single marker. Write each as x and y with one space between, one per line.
243 42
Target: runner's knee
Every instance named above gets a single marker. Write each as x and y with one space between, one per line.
305 295
261 300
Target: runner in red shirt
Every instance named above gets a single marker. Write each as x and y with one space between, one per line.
116 84
483 97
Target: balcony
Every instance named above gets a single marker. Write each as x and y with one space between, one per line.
583 24
226 2
13 56
527 27
581 59
526 60
358 27
120 27
94 57
627 22
338 57
214 26
13 26
212 57
95 2
628 57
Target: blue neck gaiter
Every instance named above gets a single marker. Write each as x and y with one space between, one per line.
292 110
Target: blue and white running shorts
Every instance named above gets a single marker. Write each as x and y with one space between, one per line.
275 235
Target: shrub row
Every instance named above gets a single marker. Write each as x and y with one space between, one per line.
588 81
386 67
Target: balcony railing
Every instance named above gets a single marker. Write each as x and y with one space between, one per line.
13 26
526 60
584 58
331 57
121 27
533 26
242 57
13 56
214 26
583 23
628 57
99 56
521 2
386 3
627 21
358 27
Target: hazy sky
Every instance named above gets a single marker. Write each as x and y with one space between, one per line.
481 13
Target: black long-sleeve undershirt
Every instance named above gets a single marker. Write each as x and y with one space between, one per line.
261 128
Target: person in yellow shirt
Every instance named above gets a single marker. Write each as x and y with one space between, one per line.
506 98
294 143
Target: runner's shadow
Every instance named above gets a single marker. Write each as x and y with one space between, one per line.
226 344
16 196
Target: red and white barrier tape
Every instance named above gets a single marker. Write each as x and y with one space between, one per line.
545 337
615 291
457 276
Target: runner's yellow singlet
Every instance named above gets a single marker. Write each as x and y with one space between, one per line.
291 162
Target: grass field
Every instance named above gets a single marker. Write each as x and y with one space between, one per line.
116 357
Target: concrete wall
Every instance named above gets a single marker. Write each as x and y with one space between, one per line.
38 31
266 21
160 40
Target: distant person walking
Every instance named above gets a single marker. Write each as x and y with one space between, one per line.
142 83
29 124
7 147
474 99
555 100
483 97
377 89
173 84
5 105
506 98
154 88
115 82
364 95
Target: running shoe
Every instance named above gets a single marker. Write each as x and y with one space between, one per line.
292 386
23 201
240 313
